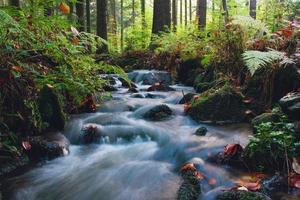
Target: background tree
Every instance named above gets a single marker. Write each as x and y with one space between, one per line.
15 3
225 9
185 13
161 15
191 9
143 13
122 25
102 21
88 15
252 11
174 14
80 14
201 13
181 11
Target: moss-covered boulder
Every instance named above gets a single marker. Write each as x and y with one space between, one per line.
265 117
51 108
224 105
241 195
187 98
290 105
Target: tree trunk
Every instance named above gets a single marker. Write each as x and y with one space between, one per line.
226 14
185 13
15 3
201 13
252 11
88 16
80 14
174 14
133 11
161 16
191 12
143 13
122 25
102 22
181 11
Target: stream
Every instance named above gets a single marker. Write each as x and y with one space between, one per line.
135 159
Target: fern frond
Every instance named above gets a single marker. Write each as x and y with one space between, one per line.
255 60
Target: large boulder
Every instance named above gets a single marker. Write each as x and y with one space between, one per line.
290 105
150 77
201 131
158 113
49 146
51 108
160 87
224 105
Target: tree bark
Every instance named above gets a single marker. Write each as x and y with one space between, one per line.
122 25
191 10
174 14
143 13
185 13
201 13
252 11
88 16
225 9
15 3
161 16
102 22
133 11
181 11
80 14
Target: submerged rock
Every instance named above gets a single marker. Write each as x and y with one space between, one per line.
241 195
137 95
160 87
109 88
133 90
221 106
150 77
126 83
187 98
158 113
290 105
51 108
201 131
47 147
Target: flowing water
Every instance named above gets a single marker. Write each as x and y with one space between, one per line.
135 159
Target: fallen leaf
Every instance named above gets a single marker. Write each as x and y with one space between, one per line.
252 186
26 145
232 149
296 165
188 166
294 180
75 40
199 175
16 68
64 8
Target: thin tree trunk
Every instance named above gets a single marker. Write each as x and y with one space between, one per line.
15 3
213 11
122 26
191 12
201 13
133 11
80 14
185 13
252 11
174 14
102 22
225 8
181 12
161 16
143 13
114 28
88 16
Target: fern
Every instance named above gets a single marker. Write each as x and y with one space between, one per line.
255 60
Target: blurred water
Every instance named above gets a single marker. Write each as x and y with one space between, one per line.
135 159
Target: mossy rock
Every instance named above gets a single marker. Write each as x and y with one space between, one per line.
241 195
158 113
51 108
265 117
224 105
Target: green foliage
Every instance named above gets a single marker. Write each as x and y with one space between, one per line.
255 60
273 143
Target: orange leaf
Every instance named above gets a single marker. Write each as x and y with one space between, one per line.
75 40
188 166
16 68
199 175
64 8
294 180
252 186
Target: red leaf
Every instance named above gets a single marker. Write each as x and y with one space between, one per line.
64 8
16 68
232 149
188 166
294 180
252 186
26 145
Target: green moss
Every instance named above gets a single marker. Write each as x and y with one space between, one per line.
241 195
51 108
